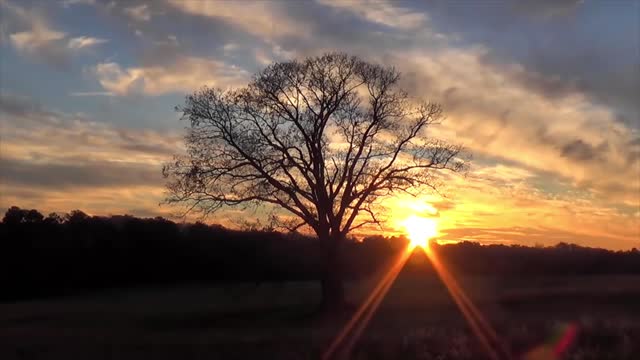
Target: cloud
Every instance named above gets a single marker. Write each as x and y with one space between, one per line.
264 19
31 133
84 42
581 151
58 161
494 114
554 42
532 236
504 173
548 8
91 93
527 201
139 201
36 37
380 12
69 3
20 106
506 203
78 173
138 13
31 34
184 75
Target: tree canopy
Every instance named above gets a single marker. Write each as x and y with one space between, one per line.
323 138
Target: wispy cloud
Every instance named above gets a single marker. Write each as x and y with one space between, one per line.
69 3
139 13
382 12
91 93
84 42
107 169
496 115
35 40
184 75
31 34
533 236
264 19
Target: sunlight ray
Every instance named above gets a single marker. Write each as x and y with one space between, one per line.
481 328
357 332
479 325
365 311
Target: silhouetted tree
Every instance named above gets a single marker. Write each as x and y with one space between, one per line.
15 215
76 217
53 218
322 138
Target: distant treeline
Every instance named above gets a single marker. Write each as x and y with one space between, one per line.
70 253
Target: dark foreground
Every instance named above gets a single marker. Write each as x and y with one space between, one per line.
417 320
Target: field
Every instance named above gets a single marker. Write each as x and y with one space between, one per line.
416 320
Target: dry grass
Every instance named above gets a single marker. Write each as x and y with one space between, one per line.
417 320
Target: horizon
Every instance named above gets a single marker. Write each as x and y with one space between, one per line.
89 88
424 239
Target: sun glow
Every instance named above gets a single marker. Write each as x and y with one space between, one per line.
420 230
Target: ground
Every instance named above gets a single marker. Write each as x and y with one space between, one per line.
417 320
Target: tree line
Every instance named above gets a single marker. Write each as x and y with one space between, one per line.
76 252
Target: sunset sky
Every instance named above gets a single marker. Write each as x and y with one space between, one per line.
544 94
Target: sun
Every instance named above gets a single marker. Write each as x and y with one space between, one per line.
420 230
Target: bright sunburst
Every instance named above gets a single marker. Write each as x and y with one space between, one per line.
420 230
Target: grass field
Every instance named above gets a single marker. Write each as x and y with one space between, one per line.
417 320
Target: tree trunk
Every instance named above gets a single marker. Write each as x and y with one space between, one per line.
333 297
332 291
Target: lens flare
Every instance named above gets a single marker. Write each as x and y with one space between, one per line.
420 230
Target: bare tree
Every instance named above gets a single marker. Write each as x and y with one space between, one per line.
322 138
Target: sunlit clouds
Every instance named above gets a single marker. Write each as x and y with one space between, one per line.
380 12
87 113
186 74
56 161
84 42
260 18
